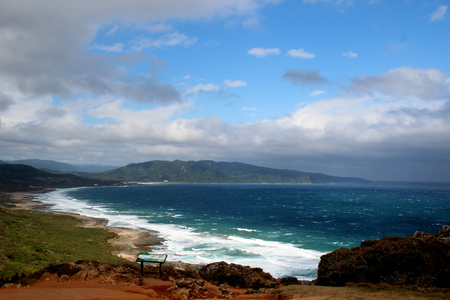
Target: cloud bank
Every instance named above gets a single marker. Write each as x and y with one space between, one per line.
68 97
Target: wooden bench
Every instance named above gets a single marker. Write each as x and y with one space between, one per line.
151 258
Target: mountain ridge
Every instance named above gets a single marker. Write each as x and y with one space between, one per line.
17 178
208 171
178 171
52 166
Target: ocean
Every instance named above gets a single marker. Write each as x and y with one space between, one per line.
281 228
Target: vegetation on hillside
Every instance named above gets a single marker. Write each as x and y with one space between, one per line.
207 171
32 240
160 171
14 178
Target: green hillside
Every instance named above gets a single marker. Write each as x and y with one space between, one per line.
208 171
32 240
161 171
246 173
15 178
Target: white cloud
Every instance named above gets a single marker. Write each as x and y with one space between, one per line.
202 88
251 111
334 2
112 30
172 39
156 27
251 22
116 110
350 54
186 77
369 128
300 53
117 47
261 52
439 14
405 82
316 93
235 83
402 114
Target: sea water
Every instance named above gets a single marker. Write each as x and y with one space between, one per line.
283 229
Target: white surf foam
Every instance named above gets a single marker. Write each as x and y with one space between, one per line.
191 246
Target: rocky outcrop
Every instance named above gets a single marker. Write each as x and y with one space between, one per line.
188 288
174 270
237 276
422 259
86 270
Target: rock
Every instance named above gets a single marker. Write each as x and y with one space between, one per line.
422 259
174 270
11 285
237 276
69 269
289 280
185 288
64 278
86 270
188 288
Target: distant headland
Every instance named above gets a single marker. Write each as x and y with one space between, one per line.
31 174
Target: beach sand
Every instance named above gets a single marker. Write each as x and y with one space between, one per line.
25 201
132 242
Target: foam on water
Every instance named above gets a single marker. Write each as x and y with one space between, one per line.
196 247
266 226
247 230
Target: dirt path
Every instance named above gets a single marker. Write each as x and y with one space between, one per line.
52 288
153 288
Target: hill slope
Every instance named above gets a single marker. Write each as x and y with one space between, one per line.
208 171
52 166
15 178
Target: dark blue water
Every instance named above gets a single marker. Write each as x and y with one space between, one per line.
282 228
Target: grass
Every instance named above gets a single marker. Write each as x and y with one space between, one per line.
32 240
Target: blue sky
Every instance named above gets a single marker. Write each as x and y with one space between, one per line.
350 88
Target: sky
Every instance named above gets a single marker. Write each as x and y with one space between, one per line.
343 87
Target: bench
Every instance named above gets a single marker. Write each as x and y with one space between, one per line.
151 258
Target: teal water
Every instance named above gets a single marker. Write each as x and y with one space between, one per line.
283 229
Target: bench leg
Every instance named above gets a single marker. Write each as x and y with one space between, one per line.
142 268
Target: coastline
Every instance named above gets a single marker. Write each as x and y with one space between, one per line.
173 237
53 287
130 242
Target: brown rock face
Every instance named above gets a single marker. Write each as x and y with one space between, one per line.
421 259
237 276
188 288
87 270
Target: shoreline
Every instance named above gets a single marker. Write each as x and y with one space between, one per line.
53 287
130 242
